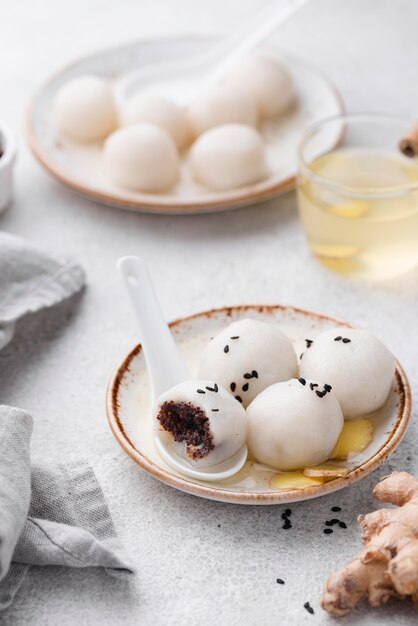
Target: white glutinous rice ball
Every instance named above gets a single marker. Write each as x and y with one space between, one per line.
265 80
203 421
357 365
227 157
157 110
293 424
84 109
219 106
248 356
142 157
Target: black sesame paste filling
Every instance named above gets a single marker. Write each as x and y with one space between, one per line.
188 424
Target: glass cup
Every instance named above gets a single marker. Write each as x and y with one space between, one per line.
358 195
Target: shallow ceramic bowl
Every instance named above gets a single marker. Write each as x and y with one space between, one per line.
129 410
80 167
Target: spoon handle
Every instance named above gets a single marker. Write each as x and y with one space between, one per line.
253 33
165 365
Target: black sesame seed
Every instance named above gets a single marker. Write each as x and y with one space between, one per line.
320 394
284 516
313 385
328 531
335 521
308 607
338 338
219 525
210 388
245 387
346 340
254 374
201 391
215 410
248 376
236 337
336 509
302 381
309 342
226 349
238 398
287 525
280 581
328 523
215 388
288 512
301 356
327 387
232 386
342 525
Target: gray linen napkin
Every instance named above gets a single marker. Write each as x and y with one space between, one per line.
50 516
31 280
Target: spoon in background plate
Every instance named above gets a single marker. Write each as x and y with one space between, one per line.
166 367
181 79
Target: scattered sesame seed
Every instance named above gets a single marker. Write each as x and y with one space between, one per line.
254 374
301 356
308 607
201 391
342 525
328 531
320 394
210 388
287 525
284 516
236 337
302 381
335 521
338 338
336 509
238 398
245 387
215 410
247 376
232 386
219 525
346 340
226 349
288 512
327 387
280 581
313 385
309 342
215 388
328 523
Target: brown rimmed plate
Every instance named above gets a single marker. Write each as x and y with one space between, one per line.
80 167
129 409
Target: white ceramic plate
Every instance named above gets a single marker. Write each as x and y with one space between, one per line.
129 410
80 167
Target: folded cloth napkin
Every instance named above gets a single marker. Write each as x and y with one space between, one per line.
49 516
31 280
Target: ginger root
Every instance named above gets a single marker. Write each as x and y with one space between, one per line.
388 565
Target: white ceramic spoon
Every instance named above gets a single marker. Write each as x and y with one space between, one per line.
165 366
181 79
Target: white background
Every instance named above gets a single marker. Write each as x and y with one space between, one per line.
190 571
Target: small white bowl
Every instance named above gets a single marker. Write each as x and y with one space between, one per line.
7 159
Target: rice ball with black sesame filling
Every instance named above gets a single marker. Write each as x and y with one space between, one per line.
204 423
248 356
293 424
357 365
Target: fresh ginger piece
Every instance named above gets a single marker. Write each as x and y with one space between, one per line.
388 565
327 471
355 437
294 480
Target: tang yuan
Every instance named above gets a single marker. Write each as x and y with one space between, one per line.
294 423
157 110
227 157
265 80
222 105
205 423
357 365
84 109
142 158
248 356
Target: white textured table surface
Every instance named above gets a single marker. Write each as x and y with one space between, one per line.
199 562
